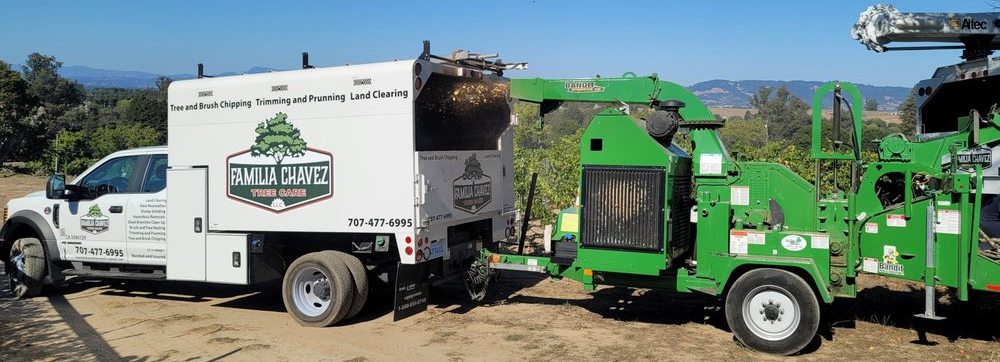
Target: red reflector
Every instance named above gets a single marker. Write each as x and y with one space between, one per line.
420 242
993 287
409 250
408 240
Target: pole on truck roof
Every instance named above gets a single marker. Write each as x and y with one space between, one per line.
305 61
201 71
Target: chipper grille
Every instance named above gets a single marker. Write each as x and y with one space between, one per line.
622 208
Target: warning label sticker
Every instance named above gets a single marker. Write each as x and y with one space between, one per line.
895 221
738 240
820 241
870 265
871 228
948 222
740 195
710 163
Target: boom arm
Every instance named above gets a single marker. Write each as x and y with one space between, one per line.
628 89
880 25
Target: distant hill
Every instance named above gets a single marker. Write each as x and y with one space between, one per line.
110 78
715 93
737 94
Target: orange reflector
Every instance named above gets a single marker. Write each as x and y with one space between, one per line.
588 272
993 287
494 258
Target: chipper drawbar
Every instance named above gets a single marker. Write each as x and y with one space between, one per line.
768 241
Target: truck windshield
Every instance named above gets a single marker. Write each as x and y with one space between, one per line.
459 113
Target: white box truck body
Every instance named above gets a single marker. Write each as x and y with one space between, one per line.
400 171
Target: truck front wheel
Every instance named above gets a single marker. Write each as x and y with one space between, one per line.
318 289
773 311
26 267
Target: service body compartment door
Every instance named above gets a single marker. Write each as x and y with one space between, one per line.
187 204
457 185
226 258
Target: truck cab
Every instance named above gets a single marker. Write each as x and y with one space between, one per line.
110 217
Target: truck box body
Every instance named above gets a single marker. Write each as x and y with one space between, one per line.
407 150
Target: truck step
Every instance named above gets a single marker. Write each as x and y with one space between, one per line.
115 274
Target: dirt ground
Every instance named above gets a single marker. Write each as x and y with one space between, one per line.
525 317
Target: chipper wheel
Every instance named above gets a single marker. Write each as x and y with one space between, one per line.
26 267
360 275
773 311
317 289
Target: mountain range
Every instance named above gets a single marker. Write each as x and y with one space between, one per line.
715 93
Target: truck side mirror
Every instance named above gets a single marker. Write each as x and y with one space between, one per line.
56 187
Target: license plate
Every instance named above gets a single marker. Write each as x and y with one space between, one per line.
982 156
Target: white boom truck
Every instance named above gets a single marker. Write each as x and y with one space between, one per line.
322 178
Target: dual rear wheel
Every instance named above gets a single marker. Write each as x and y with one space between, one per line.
326 287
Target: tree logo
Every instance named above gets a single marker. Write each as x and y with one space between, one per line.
94 221
474 189
279 171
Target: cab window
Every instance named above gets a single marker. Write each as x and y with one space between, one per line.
156 174
112 176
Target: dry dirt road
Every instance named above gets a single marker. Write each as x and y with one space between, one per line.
525 317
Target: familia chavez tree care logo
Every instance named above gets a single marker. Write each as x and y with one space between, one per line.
474 189
279 171
94 221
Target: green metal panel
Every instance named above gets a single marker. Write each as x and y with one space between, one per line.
625 89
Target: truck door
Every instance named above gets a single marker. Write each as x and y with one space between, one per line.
146 216
93 229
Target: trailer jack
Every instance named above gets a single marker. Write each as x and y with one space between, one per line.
930 298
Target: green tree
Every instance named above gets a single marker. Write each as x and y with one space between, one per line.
871 104
42 74
15 103
785 116
908 115
277 138
148 108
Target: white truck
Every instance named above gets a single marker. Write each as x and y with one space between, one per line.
325 179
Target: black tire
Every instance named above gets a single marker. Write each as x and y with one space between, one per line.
339 289
26 281
771 287
360 275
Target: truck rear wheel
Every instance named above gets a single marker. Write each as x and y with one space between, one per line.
772 311
26 267
317 289
360 275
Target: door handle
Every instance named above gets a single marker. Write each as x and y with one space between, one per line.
115 209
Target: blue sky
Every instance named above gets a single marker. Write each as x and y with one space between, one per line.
684 42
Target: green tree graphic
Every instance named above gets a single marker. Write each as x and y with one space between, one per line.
277 138
473 170
95 211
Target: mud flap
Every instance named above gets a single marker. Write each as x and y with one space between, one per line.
412 290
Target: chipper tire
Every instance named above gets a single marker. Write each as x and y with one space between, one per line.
318 289
360 275
26 267
772 311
